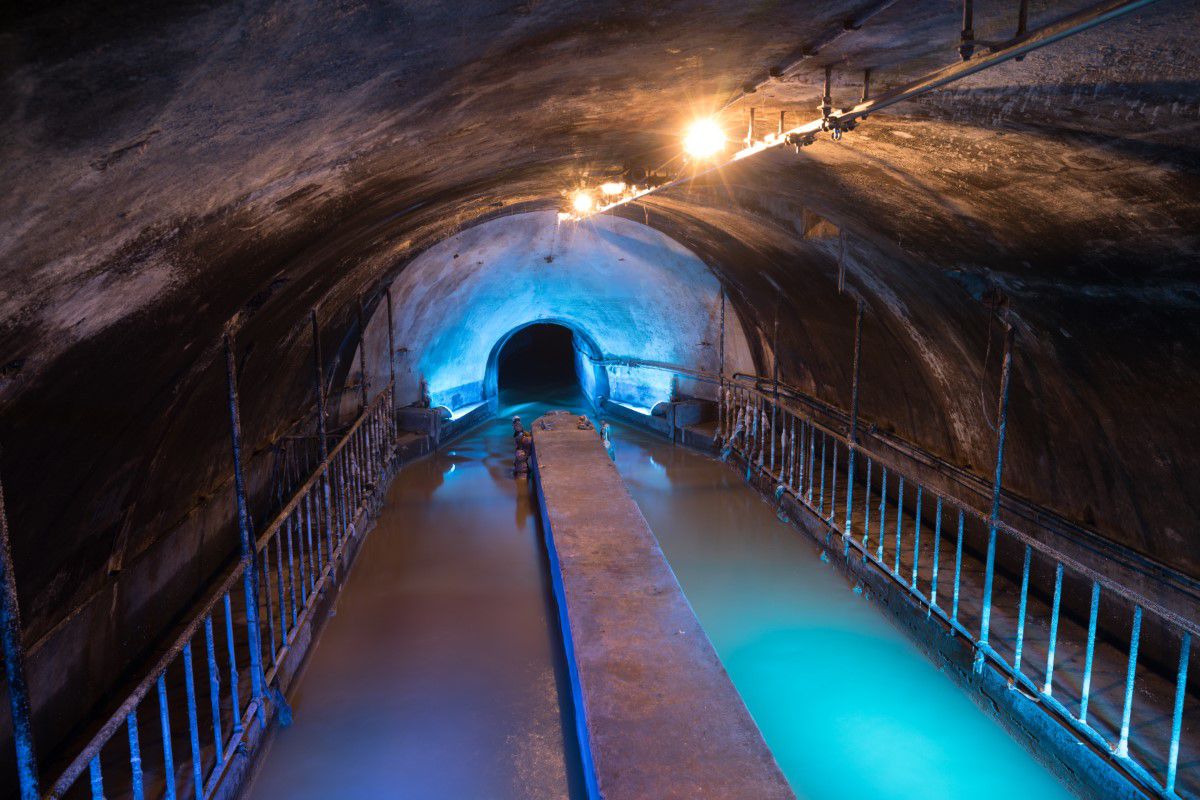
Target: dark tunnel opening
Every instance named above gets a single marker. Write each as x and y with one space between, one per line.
537 362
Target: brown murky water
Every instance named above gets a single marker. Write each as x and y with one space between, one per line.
441 675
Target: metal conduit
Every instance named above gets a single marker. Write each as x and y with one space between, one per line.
845 119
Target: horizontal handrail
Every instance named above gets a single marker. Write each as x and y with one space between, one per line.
894 464
753 424
356 462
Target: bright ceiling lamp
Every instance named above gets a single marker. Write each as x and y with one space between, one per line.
582 202
704 138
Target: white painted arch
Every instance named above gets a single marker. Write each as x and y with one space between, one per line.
626 290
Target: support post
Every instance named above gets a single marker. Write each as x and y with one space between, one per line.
774 381
14 665
750 128
858 317
362 355
782 121
322 438
994 517
826 106
249 569
966 47
866 95
391 346
721 400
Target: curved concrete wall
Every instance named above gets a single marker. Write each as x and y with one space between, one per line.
632 291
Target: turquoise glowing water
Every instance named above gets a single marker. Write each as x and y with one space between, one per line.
850 708
441 675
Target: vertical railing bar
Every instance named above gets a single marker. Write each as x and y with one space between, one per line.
899 521
97 780
812 458
314 522
867 506
937 550
1048 687
164 719
774 381
789 475
322 436
1021 609
249 571
1130 676
821 501
235 701
291 565
283 623
302 555
850 451
135 757
916 565
957 567
993 520
266 590
214 688
189 681
1185 647
882 512
760 431
833 483
14 666
1088 658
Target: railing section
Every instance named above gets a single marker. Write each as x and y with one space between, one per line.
141 748
916 537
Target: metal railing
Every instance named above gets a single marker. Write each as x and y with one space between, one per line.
802 457
294 560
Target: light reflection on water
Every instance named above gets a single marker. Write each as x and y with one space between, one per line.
850 708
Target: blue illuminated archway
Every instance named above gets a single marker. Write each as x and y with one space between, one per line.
592 377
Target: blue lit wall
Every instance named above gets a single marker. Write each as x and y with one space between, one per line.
624 286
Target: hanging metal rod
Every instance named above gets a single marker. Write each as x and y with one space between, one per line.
797 58
847 118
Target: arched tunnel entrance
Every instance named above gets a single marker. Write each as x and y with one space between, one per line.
537 361
546 360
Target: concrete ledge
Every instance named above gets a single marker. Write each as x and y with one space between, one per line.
657 715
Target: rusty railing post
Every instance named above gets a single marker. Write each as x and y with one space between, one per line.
249 570
994 517
322 438
391 347
14 665
858 318
362 355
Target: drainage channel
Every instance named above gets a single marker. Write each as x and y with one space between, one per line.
849 706
441 674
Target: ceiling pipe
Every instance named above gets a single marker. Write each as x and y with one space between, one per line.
811 49
848 118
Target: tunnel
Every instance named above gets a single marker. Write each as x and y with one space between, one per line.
538 360
573 400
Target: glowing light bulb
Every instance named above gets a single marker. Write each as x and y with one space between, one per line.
612 188
704 138
582 202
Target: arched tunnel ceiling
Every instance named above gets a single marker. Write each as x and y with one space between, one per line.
171 166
